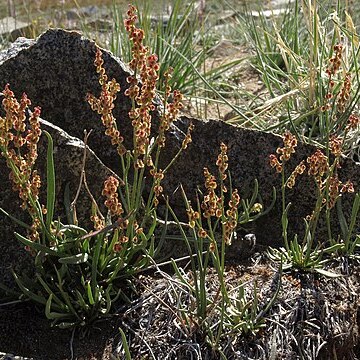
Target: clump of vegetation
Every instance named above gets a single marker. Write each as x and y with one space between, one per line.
79 274
308 61
329 190
213 226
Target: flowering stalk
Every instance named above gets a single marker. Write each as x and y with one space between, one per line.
336 107
146 67
18 145
143 158
290 143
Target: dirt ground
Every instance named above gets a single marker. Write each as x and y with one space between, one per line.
313 317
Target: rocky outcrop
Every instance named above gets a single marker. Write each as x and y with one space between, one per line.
56 71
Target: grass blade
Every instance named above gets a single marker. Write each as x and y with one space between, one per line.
125 345
50 180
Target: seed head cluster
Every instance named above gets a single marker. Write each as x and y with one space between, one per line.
187 139
231 220
335 60
318 165
335 145
211 204
192 216
110 191
98 221
353 122
336 187
300 168
18 145
145 66
332 69
222 161
122 238
119 244
158 189
171 110
284 153
214 205
104 105
344 95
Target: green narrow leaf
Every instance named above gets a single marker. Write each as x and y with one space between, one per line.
284 222
74 259
50 180
354 216
125 345
108 299
53 315
152 227
86 245
35 246
66 325
114 240
333 248
89 294
179 275
50 292
73 228
151 250
254 194
267 210
81 300
342 221
163 234
64 294
19 222
95 261
37 298
272 300
67 204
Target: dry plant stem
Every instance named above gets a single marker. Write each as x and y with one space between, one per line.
142 339
82 175
107 228
169 262
92 197
172 309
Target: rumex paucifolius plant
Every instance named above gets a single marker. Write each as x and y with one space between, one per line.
212 226
80 273
329 190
